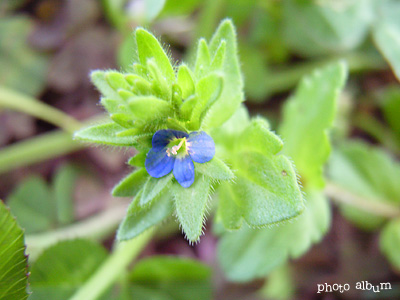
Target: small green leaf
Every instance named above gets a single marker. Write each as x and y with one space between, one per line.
257 137
161 87
391 108
191 206
63 268
185 81
149 107
390 242
172 277
219 57
369 173
387 37
131 184
99 79
188 106
26 68
149 48
280 284
116 80
268 187
248 253
125 95
153 188
105 134
138 160
203 59
33 204
63 189
139 219
229 207
314 29
386 33
112 106
215 169
123 119
208 90
307 116
13 263
232 93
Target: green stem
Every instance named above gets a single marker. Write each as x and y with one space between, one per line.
110 271
37 149
96 227
377 130
11 99
282 80
371 205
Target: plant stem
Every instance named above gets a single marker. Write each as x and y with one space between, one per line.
371 205
37 149
16 101
96 227
111 270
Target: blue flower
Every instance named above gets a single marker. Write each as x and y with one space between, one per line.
176 150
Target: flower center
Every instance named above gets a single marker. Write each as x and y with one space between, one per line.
177 147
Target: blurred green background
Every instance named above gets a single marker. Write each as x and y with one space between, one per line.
49 47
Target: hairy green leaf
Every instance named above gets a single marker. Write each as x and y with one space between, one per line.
229 207
153 188
232 93
185 81
203 59
149 107
208 90
138 160
191 206
99 79
105 134
160 85
139 219
258 137
215 169
150 48
248 253
131 184
307 116
268 189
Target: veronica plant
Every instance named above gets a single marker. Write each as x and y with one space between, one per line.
192 138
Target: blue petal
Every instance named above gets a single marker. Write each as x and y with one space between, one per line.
201 147
158 163
184 171
162 138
